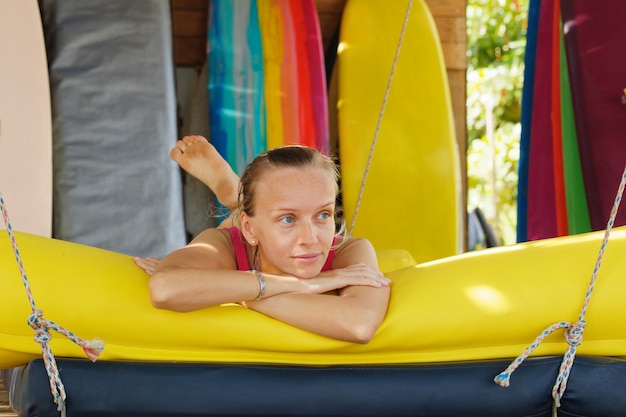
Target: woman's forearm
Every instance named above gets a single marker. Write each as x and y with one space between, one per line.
188 289
353 316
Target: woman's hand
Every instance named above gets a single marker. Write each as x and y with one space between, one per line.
353 315
147 264
358 274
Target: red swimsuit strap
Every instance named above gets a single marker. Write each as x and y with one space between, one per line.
242 257
240 249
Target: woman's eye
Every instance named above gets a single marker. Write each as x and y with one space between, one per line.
325 215
286 219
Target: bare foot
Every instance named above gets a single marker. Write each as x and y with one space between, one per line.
199 158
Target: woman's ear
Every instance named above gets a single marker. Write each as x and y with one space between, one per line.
247 229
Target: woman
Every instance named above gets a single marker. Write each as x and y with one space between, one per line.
278 253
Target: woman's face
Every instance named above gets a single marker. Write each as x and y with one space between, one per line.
294 220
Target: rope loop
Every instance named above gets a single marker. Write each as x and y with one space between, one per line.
42 327
34 319
43 336
574 333
503 378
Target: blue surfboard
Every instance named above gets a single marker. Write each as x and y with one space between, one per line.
235 81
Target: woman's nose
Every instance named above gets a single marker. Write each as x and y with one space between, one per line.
307 233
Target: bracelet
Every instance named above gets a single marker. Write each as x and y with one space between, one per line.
261 284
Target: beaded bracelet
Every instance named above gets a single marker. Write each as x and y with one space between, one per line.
261 284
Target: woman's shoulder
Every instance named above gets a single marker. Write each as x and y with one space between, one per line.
212 249
213 236
350 242
354 250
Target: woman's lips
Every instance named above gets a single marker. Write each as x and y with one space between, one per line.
308 258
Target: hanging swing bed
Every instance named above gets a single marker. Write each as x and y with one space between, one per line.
444 348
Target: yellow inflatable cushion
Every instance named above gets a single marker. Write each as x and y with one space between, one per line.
487 304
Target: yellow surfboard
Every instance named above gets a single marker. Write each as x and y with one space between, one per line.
411 198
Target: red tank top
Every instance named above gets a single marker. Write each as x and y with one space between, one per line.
242 258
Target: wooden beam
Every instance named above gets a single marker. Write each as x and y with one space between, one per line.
451 29
189 23
329 6
190 5
454 8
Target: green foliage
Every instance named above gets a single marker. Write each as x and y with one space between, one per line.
496 35
496 32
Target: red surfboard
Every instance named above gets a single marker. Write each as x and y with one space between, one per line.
541 206
596 53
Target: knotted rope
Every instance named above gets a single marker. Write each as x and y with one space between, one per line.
42 327
573 331
380 116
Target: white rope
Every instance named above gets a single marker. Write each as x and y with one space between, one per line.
573 331
380 116
42 327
